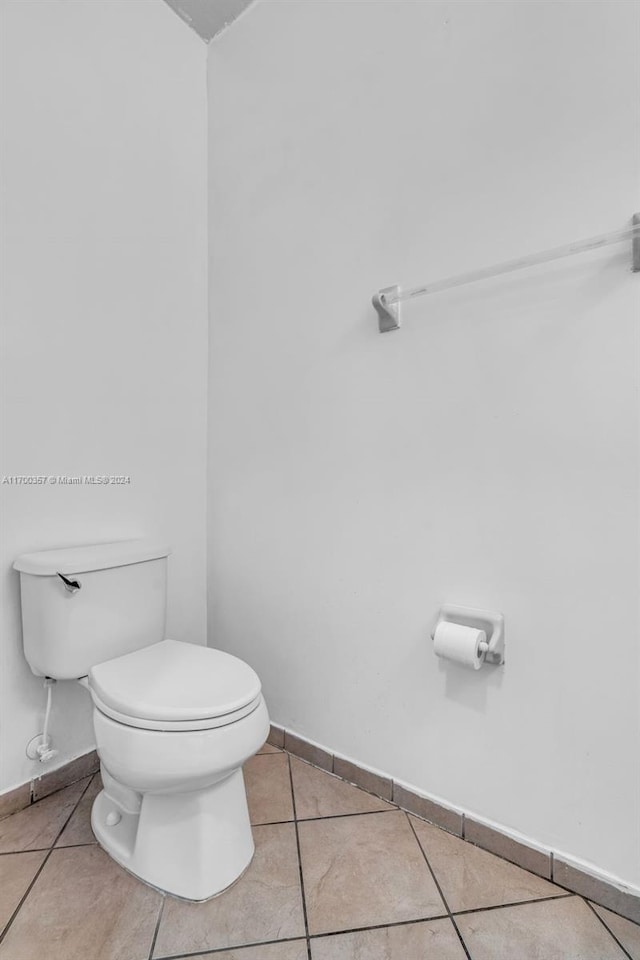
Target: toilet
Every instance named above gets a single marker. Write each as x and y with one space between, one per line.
174 722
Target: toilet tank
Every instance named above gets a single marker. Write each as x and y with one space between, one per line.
84 605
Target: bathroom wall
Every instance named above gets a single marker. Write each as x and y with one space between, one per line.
103 313
487 453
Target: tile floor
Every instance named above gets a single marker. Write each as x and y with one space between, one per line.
338 874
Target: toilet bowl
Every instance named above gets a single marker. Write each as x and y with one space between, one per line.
174 722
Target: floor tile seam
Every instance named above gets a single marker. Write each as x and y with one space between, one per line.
13 853
312 936
330 816
17 910
236 946
265 823
302 893
607 928
514 903
439 888
157 927
271 823
72 846
379 926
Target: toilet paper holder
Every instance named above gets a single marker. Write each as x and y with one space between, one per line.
492 623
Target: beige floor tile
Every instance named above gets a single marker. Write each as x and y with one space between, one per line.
265 904
319 794
364 870
628 933
556 930
78 830
294 950
38 826
17 870
268 784
433 940
268 748
83 905
471 878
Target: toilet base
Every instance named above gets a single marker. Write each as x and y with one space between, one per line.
191 845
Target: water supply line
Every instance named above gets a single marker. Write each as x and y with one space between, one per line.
44 750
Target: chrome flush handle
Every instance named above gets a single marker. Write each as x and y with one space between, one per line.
71 586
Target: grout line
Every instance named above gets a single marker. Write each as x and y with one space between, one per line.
607 928
439 888
228 949
63 846
12 853
380 926
43 864
341 816
72 846
155 932
295 820
332 816
514 903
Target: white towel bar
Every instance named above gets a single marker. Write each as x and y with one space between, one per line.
386 301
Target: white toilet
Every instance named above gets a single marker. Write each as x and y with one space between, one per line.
174 722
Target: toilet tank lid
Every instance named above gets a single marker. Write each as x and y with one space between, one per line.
96 556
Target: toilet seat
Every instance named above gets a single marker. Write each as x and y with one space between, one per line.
173 685
206 723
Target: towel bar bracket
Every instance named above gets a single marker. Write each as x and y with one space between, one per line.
388 314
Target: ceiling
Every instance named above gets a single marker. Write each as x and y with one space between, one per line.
208 17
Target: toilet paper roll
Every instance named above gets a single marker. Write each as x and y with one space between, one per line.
452 641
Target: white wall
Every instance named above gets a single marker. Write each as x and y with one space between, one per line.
486 454
104 310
